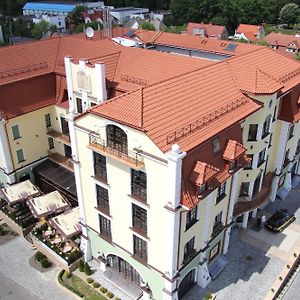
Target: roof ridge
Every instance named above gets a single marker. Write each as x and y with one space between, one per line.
142 107
57 53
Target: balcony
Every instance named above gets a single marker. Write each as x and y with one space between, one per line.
61 160
132 159
61 137
217 229
245 205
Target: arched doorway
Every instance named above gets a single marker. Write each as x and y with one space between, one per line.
116 138
186 283
124 268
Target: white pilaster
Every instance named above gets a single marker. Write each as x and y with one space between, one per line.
254 213
207 221
101 82
254 161
85 101
232 200
172 215
203 276
298 168
259 131
68 61
274 188
281 145
245 220
288 180
5 149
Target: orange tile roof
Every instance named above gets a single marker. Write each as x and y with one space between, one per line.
196 42
202 173
284 40
243 28
250 36
211 30
233 150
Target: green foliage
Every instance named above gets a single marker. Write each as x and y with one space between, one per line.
289 13
11 7
96 285
176 29
103 290
39 256
45 263
109 295
87 269
81 265
89 280
76 16
297 56
82 26
147 26
40 29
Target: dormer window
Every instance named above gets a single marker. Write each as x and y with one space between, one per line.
216 145
232 153
202 188
232 165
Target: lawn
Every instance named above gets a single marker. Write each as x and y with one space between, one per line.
75 284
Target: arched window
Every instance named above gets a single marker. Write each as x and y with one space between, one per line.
116 138
266 126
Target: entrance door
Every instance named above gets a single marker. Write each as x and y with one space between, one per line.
186 284
124 268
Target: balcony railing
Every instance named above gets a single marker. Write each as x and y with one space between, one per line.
61 137
129 158
217 229
61 160
243 205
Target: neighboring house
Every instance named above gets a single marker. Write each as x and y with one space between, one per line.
134 23
285 42
249 32
198 144
58 21
123 14
207 30
96 16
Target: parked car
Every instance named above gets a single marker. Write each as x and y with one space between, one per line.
280 220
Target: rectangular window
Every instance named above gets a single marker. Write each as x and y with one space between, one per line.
216 145
244 191
218 226
270 140
291 131
189 250
261 157
64 126
275 113
266 127
249 164
20 155
252 132
15 132
221 192
139 218
79 105
191 218
100 166
139 184
105 228
102 199
48 120
140 248
298 147
218 218
50 143
202 188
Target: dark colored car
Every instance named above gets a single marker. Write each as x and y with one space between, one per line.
280 220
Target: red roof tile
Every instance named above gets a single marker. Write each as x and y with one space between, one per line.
202 173
253 29
283 40
233 150
211 30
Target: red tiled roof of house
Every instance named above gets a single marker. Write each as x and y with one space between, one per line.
282 40
93 16
211 30
233 150
202 172
243 28
250 36
195 42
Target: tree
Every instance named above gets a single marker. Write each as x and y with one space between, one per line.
147 26
76 16
82 26
40 29
87 269
289 13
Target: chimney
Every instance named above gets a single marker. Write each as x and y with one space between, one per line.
101 82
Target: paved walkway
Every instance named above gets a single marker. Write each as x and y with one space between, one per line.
15 268
256 258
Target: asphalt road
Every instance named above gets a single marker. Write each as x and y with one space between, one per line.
10 290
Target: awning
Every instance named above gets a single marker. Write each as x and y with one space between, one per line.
19 192
59 177
47 204
67 224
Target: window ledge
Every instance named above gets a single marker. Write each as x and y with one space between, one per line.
103 211
101 180
140 232
139 200
19 162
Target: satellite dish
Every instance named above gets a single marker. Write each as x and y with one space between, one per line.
89 32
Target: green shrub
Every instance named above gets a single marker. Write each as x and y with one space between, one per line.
39 256
89 280
117 298
81 265
110 295
96 285
87 269
103 290
67 274
45 263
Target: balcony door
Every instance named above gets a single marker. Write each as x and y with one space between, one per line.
64 126
256 186
116 138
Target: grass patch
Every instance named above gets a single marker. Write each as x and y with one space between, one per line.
79 287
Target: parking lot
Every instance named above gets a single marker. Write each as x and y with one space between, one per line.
256 258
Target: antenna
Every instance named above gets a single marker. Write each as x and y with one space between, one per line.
89 32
